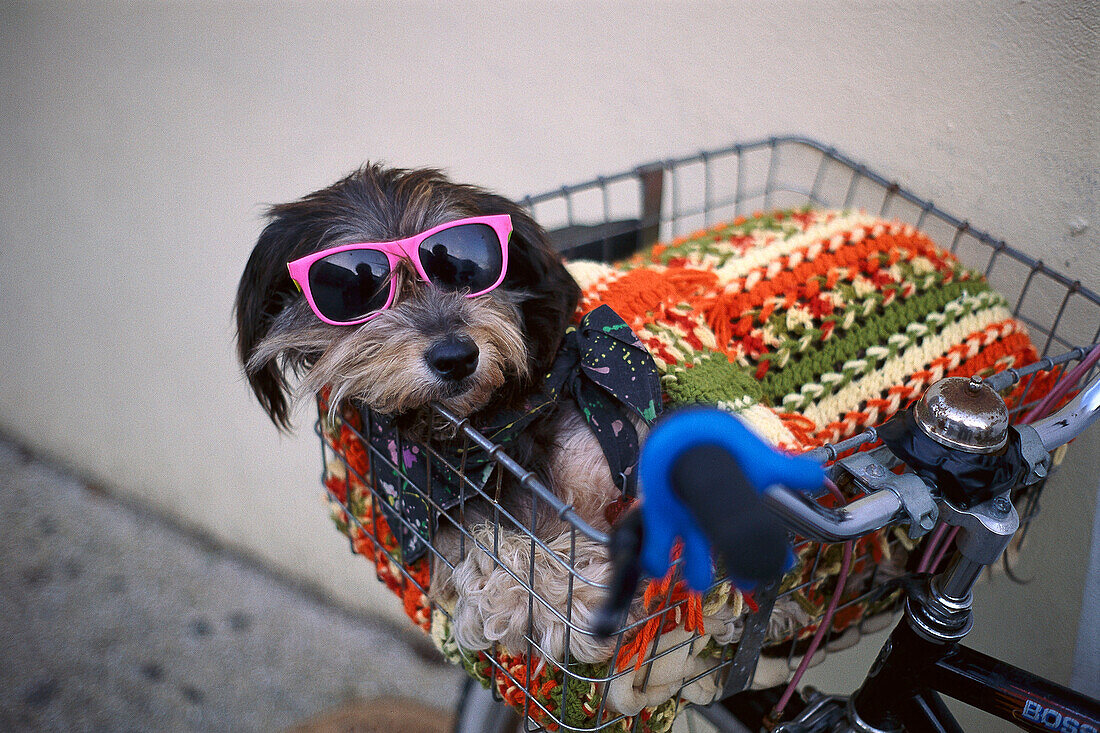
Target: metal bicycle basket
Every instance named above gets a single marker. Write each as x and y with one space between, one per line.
676 648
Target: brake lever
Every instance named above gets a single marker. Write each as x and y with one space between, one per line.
624 547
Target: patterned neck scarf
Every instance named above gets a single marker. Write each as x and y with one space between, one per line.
601 366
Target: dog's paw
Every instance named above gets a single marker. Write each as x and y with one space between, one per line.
680 665
494 602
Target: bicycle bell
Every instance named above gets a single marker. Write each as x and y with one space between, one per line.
966 414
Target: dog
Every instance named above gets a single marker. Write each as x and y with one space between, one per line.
478 357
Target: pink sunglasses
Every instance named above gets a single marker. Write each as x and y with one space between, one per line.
353 283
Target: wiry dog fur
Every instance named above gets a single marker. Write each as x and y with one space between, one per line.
517 330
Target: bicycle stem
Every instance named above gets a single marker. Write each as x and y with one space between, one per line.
941 613
923 656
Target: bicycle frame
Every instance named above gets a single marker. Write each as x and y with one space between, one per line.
923 656
902 690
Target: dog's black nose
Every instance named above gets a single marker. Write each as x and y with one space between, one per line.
453 358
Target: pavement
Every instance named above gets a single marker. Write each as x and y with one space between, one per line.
113 619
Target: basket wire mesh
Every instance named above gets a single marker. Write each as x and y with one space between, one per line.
608 218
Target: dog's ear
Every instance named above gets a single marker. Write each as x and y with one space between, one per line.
535 267
264 292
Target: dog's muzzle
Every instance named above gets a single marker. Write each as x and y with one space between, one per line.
454 358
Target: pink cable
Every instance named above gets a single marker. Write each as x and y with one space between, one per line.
930 547
1063 386
826 620
943 550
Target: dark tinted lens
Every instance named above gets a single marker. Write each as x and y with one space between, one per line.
350 285
465 257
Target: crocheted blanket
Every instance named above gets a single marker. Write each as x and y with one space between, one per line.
813 325
810 325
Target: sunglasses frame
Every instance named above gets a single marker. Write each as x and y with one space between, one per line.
396 251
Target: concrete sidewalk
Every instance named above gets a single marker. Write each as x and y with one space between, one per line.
112 619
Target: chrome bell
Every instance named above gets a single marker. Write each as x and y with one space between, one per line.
965 414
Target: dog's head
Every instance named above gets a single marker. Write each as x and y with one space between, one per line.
430 344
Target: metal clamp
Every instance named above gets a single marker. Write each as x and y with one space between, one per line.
1033 451
987 527
914 495
745 659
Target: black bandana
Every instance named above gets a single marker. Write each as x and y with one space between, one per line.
601 365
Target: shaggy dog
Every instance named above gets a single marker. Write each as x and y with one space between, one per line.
475 356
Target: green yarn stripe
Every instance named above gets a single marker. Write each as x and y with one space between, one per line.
835 367
796 339
711 379
703 245
875 328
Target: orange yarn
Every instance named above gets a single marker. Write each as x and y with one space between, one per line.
684 607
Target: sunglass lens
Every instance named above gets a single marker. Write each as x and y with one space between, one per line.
465 257
350 285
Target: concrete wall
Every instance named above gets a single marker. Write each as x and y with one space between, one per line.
141 142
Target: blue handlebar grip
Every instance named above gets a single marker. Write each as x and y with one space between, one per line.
727 503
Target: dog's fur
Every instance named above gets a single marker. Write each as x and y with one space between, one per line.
517 329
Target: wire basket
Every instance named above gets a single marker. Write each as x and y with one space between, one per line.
608 219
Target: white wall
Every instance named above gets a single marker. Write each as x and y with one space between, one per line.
140 143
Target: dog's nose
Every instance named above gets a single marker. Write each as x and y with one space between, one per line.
453 358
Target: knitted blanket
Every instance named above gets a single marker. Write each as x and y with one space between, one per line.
810 325
813 325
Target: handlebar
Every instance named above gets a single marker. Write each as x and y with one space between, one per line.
807 518
1072 420
727 508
